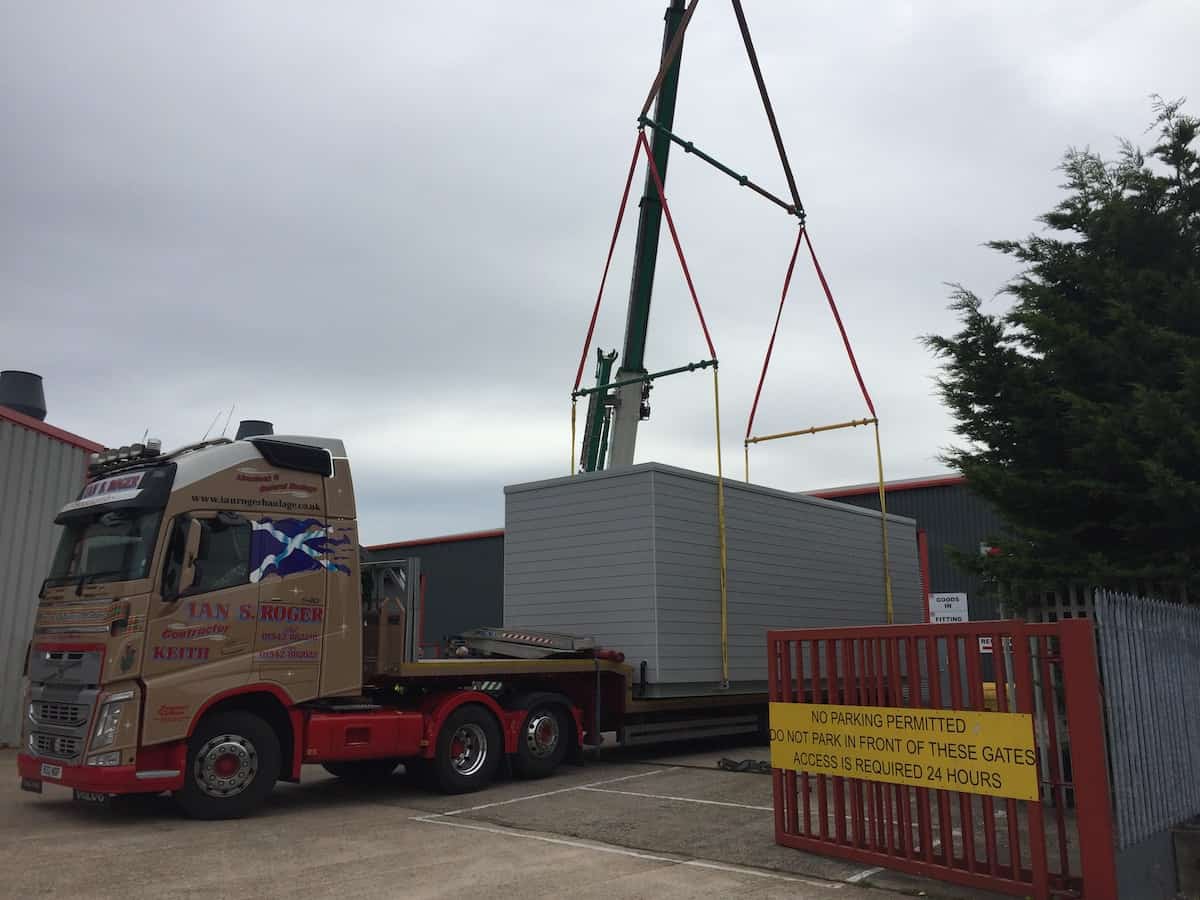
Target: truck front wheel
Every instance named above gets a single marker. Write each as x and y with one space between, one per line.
469 747
232 765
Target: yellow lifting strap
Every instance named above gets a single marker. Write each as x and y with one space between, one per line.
721 538
887 568
817 429
571 462
720 520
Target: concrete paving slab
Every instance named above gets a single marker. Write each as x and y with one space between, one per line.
328 839
717 815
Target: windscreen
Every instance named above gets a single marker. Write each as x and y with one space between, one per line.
109 546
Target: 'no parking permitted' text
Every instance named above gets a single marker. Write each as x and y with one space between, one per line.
988 753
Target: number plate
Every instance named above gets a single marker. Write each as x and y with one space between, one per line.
91 797
32 785
49 771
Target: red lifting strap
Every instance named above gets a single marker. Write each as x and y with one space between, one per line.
803 236
587 343
640 145
675 237
837 318
787 281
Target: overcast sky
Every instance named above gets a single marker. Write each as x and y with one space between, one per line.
386 221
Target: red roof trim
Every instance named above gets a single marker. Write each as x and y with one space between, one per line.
442 539
11 415
891 487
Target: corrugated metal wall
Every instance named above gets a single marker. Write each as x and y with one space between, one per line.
631 557
464 582
792 563
951 516
38 474
579 558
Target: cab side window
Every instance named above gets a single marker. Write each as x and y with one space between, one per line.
223 560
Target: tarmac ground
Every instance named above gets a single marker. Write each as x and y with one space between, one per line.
655 824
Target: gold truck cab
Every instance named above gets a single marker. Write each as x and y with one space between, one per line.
224 570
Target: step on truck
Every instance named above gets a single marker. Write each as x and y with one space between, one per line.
207 628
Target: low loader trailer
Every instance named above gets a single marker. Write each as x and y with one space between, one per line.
207 628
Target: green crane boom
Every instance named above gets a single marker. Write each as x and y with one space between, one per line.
627 400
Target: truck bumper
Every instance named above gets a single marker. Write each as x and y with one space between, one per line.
98 779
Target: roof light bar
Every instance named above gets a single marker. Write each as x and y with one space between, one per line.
117 457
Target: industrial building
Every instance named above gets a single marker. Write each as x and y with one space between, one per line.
464 573
41 469
462 581
950 518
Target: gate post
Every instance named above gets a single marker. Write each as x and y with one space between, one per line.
1089 757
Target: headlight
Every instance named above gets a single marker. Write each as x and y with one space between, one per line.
109 719
105 759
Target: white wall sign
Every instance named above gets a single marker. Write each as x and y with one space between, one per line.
948 609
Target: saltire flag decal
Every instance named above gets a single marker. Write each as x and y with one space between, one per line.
287 546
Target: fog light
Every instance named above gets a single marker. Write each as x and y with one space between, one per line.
105 759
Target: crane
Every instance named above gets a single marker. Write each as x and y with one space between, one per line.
611 424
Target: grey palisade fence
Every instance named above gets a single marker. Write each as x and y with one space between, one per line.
1150 663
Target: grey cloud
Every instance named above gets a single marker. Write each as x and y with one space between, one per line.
388 221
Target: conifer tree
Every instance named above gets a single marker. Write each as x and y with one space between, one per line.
1079 407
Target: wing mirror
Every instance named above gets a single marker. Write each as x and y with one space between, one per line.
191 546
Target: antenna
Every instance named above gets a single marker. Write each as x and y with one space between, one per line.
210 427
145 434
227 418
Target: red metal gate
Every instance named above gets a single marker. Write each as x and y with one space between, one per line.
1060 846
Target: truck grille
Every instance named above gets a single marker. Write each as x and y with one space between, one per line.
65 667
46 712
55 745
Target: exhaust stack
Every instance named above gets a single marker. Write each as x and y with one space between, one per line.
248 428
22 392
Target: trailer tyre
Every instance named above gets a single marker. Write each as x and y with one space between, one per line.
362 771
469 747
544 739
232 764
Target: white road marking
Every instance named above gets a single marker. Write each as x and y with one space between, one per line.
635 854
865 873
470 809
599 790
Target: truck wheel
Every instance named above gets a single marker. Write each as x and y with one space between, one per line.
469 748
543 741
232 764
362 770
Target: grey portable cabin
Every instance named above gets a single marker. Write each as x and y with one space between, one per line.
631 558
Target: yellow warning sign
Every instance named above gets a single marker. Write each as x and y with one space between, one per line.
989 753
